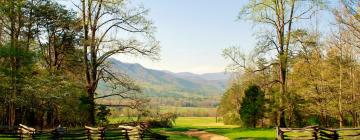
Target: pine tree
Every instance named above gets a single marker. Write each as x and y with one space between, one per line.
252 106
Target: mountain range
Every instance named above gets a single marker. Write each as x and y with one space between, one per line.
170 87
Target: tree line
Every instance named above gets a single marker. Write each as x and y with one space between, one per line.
308 77
54 55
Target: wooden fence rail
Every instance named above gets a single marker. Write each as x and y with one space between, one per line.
95 133
25 131
87 133
315 132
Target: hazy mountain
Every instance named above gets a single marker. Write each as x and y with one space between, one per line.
216 76
185 85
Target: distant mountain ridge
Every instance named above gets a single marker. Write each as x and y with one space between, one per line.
184 85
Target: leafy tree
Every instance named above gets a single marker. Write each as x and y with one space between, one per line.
278 17
230 104
252 106
31 93
347 40
14 58
57 34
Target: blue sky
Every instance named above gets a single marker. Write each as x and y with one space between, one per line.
193 33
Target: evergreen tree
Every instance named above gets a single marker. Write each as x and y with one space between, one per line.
252 106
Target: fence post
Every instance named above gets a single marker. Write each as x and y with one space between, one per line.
21 134
102 134
279 133
127 134
88 134
336 135
315 133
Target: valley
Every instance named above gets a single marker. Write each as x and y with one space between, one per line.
165 88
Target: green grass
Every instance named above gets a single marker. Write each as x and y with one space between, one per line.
189 111
209 124
243 133
114 120
200 123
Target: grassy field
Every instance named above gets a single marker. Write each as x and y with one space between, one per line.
190 111
209 124
114 120
180 111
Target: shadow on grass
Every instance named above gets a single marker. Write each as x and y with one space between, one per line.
179 129
174 133
243 133
258 138
232 133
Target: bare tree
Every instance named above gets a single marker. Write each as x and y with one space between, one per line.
103 21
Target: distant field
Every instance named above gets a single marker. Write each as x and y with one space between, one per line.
121 119
190 111
180 111
201 123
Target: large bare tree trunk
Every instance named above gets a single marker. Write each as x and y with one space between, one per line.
86 19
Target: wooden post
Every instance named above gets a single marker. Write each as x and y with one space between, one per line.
315 133
88 134
102 134
127 134
336 135
21 134
279 134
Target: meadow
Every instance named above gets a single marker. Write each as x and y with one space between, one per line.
190 111
209 124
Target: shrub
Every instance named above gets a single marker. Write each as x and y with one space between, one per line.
166 120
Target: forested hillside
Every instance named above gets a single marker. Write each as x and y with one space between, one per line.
173 89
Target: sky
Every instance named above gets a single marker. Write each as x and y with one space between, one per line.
193 33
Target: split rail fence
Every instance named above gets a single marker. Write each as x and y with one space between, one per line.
316 132
87 133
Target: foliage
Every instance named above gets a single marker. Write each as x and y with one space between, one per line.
102 115
308 77
166 120
252 106
42 66
230 105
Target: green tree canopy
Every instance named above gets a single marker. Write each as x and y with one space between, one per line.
253 106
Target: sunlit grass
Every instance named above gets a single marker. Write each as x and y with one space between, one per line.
114 120
201 123
209 124
242 133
